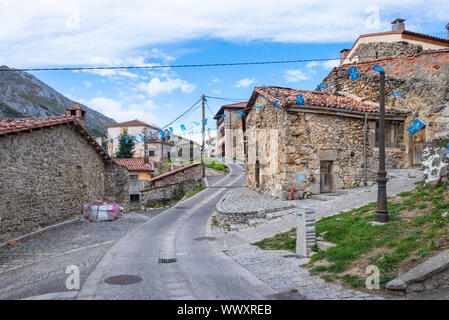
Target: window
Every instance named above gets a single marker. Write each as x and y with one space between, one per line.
134 197
133 177
151 153
73 112
391 134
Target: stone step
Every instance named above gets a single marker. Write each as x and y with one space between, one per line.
253 222
324 197
277 214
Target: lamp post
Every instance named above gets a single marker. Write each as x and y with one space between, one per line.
382 209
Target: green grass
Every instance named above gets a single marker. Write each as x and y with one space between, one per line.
213 164
193 191
152 204
403 239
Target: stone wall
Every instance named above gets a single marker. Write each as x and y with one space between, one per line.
378 50
425 85
435 160
163 194
47 175
304 140
161 188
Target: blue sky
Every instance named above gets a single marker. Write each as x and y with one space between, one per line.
113 33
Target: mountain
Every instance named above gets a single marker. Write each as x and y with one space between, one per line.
22 95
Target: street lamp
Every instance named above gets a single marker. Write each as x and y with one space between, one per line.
382 209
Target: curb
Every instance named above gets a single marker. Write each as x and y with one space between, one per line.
48 228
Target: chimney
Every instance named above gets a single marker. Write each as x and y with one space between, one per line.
447 27
343 55
398 25
77 111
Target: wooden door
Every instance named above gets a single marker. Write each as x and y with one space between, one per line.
325 176
418 145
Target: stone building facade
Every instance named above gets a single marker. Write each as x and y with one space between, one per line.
423 80
316 147
230 128
49 168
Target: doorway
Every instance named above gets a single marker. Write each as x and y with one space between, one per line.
325 176
417 146
257 174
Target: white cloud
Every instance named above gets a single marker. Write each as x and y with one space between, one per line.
122 111
34 33
87 84
330 64
244 83
295 75
157 86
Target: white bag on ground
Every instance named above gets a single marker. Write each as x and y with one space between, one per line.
103 212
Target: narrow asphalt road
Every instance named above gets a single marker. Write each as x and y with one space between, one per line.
199 272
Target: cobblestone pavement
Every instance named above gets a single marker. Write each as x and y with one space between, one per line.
67 238
281 271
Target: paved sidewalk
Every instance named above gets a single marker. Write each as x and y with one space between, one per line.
282 272
67 238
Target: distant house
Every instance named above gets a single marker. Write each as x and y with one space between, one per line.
211 147
157 149
394 43
49 168
140 171
184 150
230 128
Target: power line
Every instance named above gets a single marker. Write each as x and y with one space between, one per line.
228 99
210 109
190 108
169 66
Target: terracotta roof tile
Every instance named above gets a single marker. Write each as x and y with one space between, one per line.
134 164
132 123
75 106
173 172
403 66
17 125
287 96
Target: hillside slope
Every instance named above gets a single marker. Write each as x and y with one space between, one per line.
22 94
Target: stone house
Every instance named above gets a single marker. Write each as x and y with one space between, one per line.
322 145
394 43
49 168
183 150
140 171
229 130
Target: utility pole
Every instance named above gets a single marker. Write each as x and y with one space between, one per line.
203 169
382 209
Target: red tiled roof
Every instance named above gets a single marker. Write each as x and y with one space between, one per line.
24 124
75 106
287 96
132 123
18 125
405 65
173 172
239 105
134 164
407 32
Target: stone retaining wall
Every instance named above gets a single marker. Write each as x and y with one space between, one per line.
163 194
435 160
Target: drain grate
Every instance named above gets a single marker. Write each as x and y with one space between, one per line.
290 256
165 260
205 239
123 279
180 207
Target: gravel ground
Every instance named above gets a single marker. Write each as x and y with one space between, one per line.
245 200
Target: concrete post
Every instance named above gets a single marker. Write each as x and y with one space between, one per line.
305 231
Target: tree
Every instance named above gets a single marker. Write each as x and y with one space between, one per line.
126 146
